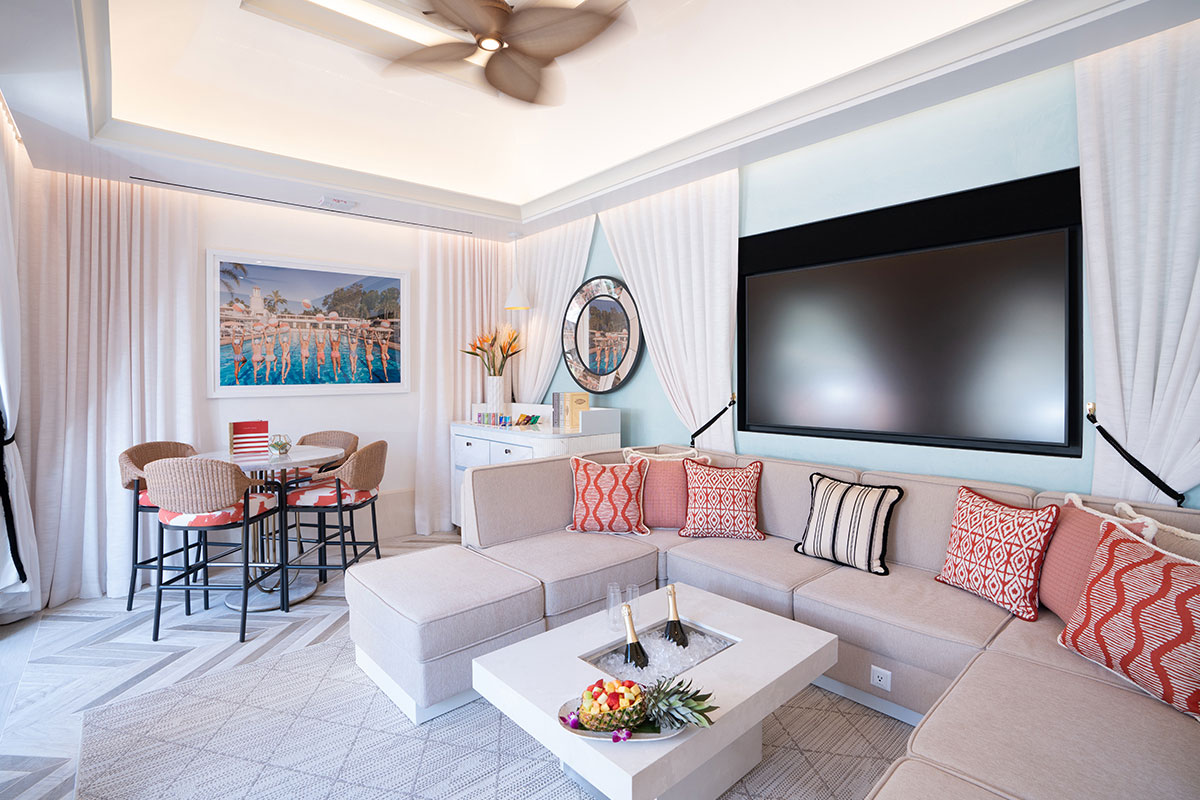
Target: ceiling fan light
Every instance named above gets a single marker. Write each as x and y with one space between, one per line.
490 43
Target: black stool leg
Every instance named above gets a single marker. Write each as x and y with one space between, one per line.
341 527
375 532
284 602
202 553
354 535
158 585
187 573
133 569
321 573
245 576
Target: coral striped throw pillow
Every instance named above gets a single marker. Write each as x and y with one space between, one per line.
996 551
608 497
1138 618
722 502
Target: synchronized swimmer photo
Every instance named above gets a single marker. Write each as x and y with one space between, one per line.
285 326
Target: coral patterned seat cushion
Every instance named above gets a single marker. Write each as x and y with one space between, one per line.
259 503
996 551
722 502
1138 618
144 499
323 494
608 497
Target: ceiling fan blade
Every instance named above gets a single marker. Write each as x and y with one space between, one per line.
479 17
515 74
548 32
437 53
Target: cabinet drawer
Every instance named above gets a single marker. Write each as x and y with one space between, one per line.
503 453
471 452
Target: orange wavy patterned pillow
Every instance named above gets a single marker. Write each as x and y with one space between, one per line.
608 497
1138 618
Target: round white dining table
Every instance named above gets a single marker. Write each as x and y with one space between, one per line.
303 584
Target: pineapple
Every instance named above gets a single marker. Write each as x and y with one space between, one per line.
673 705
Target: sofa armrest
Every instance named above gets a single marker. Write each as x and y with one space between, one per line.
506 502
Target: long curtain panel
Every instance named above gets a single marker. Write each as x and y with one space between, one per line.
463 282
549 266
1139 152
20 580
110 287
678 254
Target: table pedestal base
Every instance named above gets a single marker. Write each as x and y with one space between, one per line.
707 783
302 587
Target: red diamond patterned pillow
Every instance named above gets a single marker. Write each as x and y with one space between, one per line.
722 502
608 497
996 551
1138 618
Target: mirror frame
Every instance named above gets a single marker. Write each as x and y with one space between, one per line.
589 290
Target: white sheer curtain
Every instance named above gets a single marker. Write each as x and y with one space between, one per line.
1139 152
111 321
549 266
463 282
18 598
678 254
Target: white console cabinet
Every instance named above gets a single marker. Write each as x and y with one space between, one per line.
474 445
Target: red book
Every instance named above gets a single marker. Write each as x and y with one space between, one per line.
249 437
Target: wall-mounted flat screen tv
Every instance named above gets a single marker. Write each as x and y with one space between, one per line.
950 322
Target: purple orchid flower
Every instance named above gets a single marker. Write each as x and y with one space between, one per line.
622 735
571 720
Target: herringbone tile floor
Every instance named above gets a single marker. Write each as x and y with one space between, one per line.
86 653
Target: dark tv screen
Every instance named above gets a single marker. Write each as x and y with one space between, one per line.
964 345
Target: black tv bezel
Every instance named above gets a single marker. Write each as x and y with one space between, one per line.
1041 204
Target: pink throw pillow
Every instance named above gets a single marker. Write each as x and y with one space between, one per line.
608 497
1069 555
664 492
1138 618
722 502
996 551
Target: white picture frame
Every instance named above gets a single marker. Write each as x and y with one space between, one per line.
267 268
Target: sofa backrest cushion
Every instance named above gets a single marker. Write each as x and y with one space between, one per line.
920 528
1183 541
785 493
506 502
717 458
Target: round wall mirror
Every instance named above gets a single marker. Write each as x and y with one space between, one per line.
601 335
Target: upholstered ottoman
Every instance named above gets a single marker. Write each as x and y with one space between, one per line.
418 619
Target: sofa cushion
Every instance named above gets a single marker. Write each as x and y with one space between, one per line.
906 615
848 523
1033 731
490 517
1038 641
576 568
608 497
910 779
664 539
996 551
761 574
664 492
784 493
920 528
427 603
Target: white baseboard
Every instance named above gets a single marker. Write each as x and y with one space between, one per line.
402 699
869 700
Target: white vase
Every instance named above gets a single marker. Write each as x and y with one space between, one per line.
495 394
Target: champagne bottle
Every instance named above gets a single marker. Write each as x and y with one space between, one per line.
674 630
634 652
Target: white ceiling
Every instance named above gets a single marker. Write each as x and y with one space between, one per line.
211 69
206 93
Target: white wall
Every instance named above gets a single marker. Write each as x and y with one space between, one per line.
317 236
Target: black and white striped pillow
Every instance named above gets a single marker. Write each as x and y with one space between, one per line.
848 523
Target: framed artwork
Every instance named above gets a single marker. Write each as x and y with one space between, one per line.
280 326
601 335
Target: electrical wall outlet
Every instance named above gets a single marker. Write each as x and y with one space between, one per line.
881 678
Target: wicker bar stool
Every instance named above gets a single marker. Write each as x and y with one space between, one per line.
132 463
348 443
199 496
349 488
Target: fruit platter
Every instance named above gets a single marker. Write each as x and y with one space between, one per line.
625 710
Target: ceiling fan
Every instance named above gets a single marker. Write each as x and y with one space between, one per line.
523 43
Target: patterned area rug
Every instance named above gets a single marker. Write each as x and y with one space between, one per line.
310 724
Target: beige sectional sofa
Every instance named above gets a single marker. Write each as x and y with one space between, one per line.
1001 710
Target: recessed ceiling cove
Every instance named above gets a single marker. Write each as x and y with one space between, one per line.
313 80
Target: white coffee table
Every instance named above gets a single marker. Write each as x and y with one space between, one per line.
772 660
